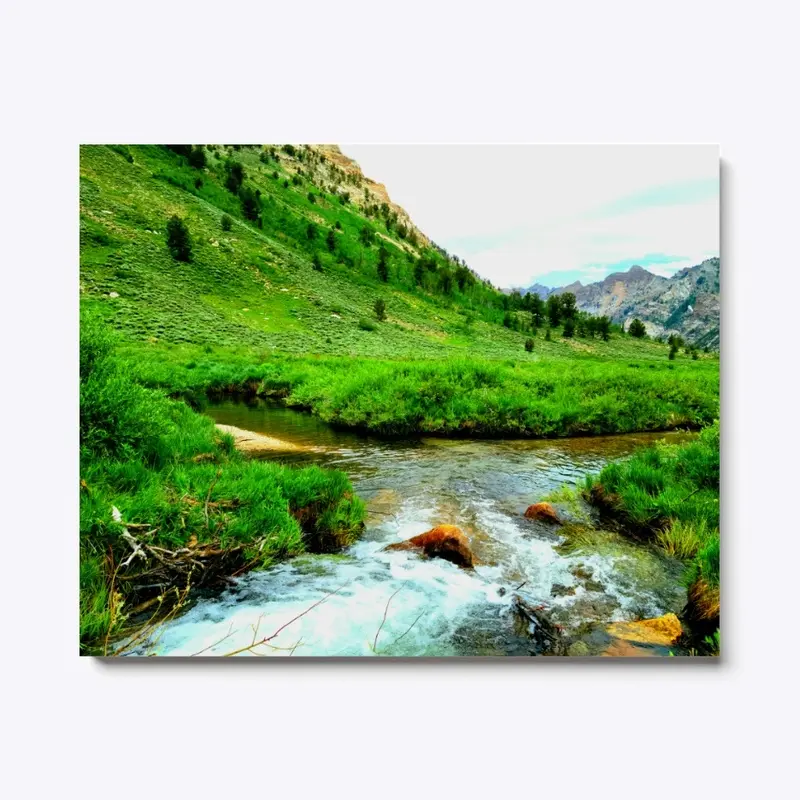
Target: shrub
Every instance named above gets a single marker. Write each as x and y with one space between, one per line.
569 328
330 241
251 203
507 320
547 336
311 232
380 310
529 345
197 157
367 325
316 262
198 183
637 329
338 225
383 264
274 174
227 222
234 176
178 240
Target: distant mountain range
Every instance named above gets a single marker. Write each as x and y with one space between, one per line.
686 304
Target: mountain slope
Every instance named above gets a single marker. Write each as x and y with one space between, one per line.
301 278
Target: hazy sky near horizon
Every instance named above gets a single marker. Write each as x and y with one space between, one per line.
520 214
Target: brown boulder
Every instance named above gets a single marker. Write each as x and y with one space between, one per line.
544 512
444 541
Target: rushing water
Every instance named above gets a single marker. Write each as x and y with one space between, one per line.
399 604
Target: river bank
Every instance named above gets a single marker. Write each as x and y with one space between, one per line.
457 397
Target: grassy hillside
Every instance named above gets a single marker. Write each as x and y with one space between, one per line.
263 290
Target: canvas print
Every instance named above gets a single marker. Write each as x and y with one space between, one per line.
399 401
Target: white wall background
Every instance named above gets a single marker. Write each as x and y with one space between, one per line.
501 72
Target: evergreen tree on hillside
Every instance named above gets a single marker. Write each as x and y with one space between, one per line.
251 203
366 236
603 326
197 157
537 309
446 281
330 240
569 328
234 176
380 310
637 329
179 242
227 222
383 264
568 305
311 232
419 271
554 310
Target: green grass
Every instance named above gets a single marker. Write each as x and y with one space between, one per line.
168 470
669 494
456 396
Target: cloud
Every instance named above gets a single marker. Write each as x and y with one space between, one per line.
518 212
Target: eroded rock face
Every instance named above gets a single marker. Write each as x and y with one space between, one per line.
544 512
444 541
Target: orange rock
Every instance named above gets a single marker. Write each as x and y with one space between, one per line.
662 631
544 512
443 541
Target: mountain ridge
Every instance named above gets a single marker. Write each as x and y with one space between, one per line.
687 303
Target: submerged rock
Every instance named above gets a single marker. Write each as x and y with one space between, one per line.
444 541
543 512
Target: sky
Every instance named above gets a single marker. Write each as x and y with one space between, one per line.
554 214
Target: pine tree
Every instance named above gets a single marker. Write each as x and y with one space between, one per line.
554 310
383 264
330 240
380 310
637 329
234 176
178 240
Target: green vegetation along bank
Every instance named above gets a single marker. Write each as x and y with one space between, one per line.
168 505
462 396
669 495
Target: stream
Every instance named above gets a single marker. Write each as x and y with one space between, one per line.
400 604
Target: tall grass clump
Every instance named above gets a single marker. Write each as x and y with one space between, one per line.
178 486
